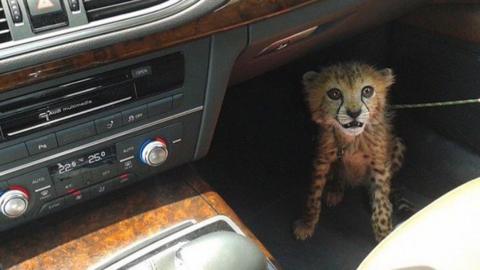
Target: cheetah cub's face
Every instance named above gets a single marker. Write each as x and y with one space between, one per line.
347 96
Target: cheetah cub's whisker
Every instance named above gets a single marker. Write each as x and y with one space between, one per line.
355 145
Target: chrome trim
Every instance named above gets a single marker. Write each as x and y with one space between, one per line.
164 7
175 9
127 159
99 141
10 195
82 92
42 189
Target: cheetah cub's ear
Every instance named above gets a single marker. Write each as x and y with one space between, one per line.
388 76
309 77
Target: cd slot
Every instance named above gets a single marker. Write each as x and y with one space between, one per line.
57 94
70 107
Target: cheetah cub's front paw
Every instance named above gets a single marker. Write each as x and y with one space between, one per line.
301 230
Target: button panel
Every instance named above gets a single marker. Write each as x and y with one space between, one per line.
51 190
15 11
83 131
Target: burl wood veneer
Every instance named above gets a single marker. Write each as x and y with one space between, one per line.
234 14
84 235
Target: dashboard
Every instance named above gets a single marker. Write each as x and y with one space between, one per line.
99 94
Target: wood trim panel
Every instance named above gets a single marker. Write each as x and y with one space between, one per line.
86 234
234 14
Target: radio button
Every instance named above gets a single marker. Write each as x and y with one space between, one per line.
42 144
108 123
134 115
76 133
159 107
13 153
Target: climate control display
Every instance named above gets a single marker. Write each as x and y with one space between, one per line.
91 159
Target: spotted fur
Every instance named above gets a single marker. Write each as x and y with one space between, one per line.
355 145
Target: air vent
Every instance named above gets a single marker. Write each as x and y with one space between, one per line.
101 9
4 30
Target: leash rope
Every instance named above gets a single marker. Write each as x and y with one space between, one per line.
435 104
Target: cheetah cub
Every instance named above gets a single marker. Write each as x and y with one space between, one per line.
355 145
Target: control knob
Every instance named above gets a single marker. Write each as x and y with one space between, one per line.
154 152
14 203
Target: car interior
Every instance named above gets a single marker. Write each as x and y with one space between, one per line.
174 134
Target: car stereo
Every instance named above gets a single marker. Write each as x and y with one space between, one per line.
98 131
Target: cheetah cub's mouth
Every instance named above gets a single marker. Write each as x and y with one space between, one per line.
352 128
353 124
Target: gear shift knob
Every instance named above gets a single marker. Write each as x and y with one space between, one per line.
219 251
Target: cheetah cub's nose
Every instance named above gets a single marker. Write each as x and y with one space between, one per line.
354 114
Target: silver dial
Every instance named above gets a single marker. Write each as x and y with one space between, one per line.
13 203
154 153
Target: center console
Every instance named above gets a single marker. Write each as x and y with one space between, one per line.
76 138
171 221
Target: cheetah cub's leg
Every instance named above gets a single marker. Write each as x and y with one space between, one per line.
398 152
334 191
304 227
380 195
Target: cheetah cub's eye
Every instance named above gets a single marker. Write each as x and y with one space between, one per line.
367 92
334 94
